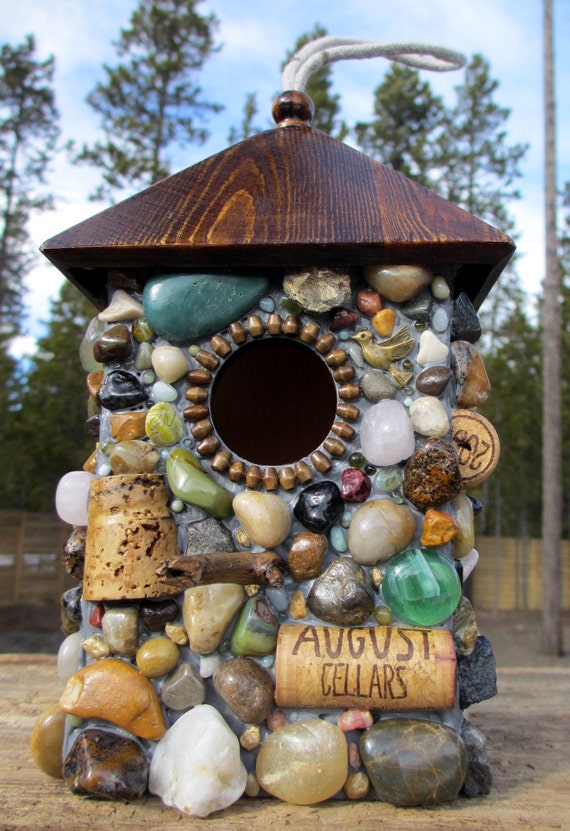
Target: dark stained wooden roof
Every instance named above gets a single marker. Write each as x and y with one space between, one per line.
289 197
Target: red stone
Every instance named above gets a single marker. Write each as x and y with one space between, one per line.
355 485
343 319
96 615
368 302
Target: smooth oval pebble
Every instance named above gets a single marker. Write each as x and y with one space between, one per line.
46 742
377 386
413 762
169 363
161 391
113 690
72 496
68 656
440 320
464 517
380 529
157 656
303 763
386 433
433 380
397 283
196 767
306 555
133 456
246 687
207 613
187 306
429 416
163 425
264 517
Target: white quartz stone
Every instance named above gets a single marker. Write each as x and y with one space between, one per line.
429 416
440 288
386 434
122 307
169 363
68 656
196 766
265 517
431 349
207 613
469 562
380 529
72 496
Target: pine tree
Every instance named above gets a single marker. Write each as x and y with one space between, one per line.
409 119
247 127
51 438
28 136
151 99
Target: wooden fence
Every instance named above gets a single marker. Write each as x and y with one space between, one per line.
30 557
508 576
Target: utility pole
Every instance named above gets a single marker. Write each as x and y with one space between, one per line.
551 348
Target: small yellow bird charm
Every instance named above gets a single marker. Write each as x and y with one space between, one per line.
383 355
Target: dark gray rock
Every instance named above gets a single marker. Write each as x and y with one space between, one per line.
465 323
477 674
342 594
479 778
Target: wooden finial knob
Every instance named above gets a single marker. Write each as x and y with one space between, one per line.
292 105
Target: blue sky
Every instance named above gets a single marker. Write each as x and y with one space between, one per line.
255 36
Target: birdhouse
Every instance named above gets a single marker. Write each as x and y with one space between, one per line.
284 384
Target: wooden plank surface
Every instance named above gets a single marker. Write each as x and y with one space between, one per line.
527 728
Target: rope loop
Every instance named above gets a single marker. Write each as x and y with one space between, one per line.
318 53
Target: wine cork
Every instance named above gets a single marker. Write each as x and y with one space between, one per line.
477 444
376 667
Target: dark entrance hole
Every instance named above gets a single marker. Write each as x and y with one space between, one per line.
273 402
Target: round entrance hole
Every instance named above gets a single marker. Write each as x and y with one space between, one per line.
273 402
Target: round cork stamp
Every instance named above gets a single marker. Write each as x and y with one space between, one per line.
477 445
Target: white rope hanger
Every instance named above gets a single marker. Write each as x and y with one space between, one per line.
318 53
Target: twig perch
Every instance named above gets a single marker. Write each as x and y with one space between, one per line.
264 569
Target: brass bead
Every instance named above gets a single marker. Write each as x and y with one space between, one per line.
345 431
344 373
237 333
195 412
287 478
302 471
207 359
196 394
200 377
325 343
320 461
348 411
202 428
291 325
274 324
220 346
336 357
237 471
253 477
348 391
208 446
255 326
309 333
221 461
270 479
334 446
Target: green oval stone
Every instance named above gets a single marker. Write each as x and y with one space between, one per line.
191 484
163 425
421 587
187 306
255 632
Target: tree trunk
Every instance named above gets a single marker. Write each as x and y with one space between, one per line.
552 408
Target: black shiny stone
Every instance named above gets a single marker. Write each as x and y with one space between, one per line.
477 674
106 765
479 778
419 308
477 506
464 321
93 426
156 614
71 607
319 506
120 390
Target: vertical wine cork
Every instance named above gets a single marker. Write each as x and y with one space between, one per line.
376 667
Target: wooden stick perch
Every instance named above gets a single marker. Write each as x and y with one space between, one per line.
264 569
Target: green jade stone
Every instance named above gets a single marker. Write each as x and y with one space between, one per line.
163 425
185 306
255 632
189 482
421 587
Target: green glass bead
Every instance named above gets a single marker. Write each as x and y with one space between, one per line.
291 305
421 587
356 460
163 425
383 616
255 632
189 482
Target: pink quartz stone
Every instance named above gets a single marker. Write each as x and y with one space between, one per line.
355 720
387 435
355 486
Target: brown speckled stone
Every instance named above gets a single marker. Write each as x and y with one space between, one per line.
106 765
433 380
432 475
